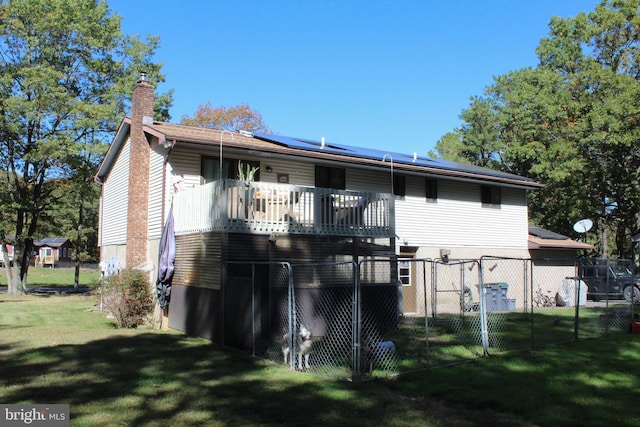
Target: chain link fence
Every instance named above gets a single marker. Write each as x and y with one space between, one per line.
382 317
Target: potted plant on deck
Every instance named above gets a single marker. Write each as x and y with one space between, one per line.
246 175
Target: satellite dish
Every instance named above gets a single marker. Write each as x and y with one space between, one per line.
583 225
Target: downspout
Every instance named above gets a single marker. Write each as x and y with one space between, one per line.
225 247
168 145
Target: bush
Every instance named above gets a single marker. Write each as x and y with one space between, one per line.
127 296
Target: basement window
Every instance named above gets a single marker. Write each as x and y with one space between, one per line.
404 272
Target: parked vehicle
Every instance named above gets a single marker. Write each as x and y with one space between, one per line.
609 279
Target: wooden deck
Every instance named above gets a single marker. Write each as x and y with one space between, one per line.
266 208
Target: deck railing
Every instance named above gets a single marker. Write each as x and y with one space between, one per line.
266 208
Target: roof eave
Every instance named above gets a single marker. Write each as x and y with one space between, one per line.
114 148
566 244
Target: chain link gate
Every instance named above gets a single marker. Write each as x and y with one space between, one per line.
456 323
393 333
324 301
552 321
506 284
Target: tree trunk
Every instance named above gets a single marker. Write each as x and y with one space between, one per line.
76 280
17 278
7 263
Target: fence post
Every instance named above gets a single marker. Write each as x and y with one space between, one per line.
426 311
576 322
357 324
525 275
253 309
223 291
291 307
531 307
483 312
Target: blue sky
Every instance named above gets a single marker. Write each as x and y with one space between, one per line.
381 74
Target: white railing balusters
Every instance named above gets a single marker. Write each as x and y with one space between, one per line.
257 207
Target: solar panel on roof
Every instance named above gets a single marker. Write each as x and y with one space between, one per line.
375 154
303 144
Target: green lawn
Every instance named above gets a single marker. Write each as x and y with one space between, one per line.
58 349
55 277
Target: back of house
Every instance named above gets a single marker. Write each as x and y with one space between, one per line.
241 197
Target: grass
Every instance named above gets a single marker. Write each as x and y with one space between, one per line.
57 349
55 277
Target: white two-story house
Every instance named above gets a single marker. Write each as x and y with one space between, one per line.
305 201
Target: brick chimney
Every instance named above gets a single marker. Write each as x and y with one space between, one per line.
138 191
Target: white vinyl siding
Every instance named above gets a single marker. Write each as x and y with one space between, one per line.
113 217
459 219
155 219
456 218
187 164
299 173
364 180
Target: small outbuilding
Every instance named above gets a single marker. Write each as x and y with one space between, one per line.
51 251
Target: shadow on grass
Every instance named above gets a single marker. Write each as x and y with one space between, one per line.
169 379
588 383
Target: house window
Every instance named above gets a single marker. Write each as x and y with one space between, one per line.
490 196
399 185
404 272
431 189
210 169
327 177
